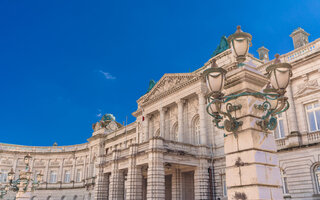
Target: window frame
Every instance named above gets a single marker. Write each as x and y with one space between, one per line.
51 175
279 136
316 178
313 110
65 176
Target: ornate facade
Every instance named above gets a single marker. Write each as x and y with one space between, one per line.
173 150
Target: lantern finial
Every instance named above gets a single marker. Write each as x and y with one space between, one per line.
277 60
214 63
238 29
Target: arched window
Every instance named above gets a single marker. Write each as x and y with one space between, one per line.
174 132
34 198
196 130
317 177
75 197
63 198
49 198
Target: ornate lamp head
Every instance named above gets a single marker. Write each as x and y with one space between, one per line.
27 159
39 177
215 77
240 43
11 175
279 75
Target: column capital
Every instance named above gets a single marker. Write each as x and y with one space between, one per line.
181 101
163 109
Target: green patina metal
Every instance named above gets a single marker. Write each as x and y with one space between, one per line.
269 120
152 83
224 45
108 117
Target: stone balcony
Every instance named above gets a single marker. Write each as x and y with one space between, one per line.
298 140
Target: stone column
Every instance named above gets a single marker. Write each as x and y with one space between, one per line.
134 177
201 180
252 170
202 119
162 122
176 184
102 186
180 119
116 186
146 128
156 179
292 116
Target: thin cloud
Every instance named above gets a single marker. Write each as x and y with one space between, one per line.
107 75
99 113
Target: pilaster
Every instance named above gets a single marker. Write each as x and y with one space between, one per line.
202 118
176 184
146 128
101 187
156 179
162 121
201 180
116 187
134 177
180 119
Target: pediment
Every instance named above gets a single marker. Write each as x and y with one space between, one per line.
307 88
168 83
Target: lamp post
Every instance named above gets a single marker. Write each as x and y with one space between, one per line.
25 184
248 116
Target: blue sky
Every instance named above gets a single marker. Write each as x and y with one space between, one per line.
62 63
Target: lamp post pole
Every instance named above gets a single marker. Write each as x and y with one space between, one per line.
248 116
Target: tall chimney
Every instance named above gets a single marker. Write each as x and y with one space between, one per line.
299 37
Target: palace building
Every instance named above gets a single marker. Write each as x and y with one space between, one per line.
173 150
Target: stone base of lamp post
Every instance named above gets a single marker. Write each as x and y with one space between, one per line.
23 196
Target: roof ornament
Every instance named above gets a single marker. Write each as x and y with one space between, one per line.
152 83
221 47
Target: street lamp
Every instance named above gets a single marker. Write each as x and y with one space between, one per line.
275 102
24 183
240 43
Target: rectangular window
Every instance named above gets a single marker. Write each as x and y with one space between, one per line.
78 176
313 116
53 177
67 176
224 185
279 132
3 176
285 185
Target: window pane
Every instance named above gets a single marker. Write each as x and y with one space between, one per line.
281 129
312 123
318 118
317 105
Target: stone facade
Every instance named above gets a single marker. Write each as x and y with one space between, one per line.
173 150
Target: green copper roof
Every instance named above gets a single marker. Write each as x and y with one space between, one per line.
151 85
221 47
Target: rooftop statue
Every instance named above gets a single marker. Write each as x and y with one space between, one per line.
107 121
221 47
152 83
